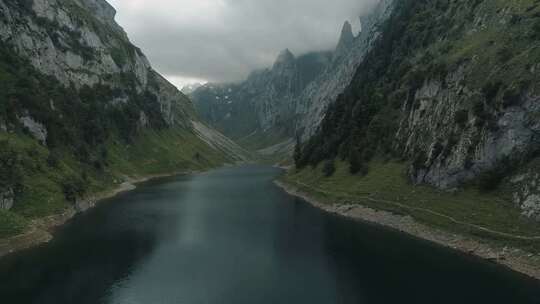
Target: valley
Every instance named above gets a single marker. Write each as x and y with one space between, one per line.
418 131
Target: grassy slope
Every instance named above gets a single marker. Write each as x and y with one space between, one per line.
386 181
152 153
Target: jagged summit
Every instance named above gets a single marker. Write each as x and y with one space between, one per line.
347 37
284 57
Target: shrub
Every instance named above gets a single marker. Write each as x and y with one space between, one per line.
491 90
490 180
53 159
536 29
10 166
511 97
461 117
420 160
504 54
329 168
358 162
73 187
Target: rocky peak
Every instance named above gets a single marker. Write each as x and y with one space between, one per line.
347 37
285 58
101 9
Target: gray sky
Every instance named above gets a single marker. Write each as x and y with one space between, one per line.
223 40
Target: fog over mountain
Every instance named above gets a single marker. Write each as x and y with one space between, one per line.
223 40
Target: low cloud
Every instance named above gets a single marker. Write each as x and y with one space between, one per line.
223 40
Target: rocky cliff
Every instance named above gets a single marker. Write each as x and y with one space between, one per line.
290 99
80 45
451 88
82 109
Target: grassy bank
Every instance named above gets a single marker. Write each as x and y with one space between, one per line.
489 216
47 183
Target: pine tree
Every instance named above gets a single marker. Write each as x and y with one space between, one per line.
297 153
357 164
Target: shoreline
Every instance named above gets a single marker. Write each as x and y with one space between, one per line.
513 258
40 230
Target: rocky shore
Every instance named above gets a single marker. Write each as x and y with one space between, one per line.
513 258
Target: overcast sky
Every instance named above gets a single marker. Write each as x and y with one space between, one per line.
223 40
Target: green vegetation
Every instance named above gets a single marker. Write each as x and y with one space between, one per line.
385 187
97 137
44 189
493 43
11 224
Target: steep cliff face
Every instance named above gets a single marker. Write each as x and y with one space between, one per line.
265 104
311 106
290 99
452 88
80 45
81 109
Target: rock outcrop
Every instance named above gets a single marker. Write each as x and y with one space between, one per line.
526 193
350 52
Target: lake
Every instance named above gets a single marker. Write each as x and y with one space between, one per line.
232 236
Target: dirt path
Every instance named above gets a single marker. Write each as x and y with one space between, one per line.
453 220
513 258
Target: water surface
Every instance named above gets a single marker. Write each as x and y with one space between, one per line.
231 236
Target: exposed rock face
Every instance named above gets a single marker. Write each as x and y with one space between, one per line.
527 192
6 199
263 104
470 147
79 43
36 129
346 39
290 99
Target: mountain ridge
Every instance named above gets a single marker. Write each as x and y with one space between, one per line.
277 119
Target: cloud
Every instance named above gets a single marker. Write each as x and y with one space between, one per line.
223 40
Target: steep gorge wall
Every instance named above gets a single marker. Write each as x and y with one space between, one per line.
452 88
82 110
292 97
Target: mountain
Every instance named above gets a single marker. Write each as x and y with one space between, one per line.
190 88
287 101
450 88
260 111
311 106
81 109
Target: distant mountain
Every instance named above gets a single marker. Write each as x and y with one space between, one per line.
190 88
261 110
276 105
